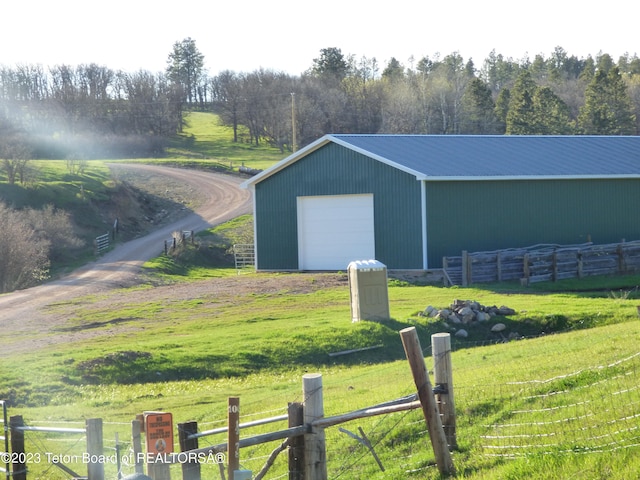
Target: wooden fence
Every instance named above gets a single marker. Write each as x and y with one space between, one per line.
178 238
304 437
542 263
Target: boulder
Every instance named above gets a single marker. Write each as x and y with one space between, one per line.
462 333
498 327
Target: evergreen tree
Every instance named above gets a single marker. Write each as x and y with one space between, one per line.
185 67
520 113
394 70
607 109
550 114
501 109
330 65
478 107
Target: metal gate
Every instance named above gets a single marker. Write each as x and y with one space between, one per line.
245 255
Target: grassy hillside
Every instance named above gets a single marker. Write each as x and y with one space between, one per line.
204 138
187 355
562 401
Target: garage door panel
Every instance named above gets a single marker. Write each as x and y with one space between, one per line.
334 230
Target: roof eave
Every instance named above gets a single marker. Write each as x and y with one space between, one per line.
294 157
427 178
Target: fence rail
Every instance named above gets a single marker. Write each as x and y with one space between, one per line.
540 263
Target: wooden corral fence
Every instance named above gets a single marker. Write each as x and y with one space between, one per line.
542 263
304 437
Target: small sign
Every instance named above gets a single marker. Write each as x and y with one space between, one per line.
158 427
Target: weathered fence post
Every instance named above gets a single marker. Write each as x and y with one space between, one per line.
525 268
296 444
580 264
443 379
95 467
233 435
466 269
190 469
413 350
18 466
136 445
315 454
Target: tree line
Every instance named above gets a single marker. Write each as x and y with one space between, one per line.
92 111
555 95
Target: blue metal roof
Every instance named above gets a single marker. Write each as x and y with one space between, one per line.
504 156
490 157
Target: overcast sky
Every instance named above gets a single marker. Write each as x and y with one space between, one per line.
286 35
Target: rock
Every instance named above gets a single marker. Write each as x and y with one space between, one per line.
429 310
462 333
504 311
468 317
445 313
498 327
453 318
482 316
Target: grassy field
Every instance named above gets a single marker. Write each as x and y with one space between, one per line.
561 402
188 356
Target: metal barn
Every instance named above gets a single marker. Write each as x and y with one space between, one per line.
409 200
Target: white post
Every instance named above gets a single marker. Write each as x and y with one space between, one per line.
315 453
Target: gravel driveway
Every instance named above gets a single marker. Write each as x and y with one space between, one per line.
23 314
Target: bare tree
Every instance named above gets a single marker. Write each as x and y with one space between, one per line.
24 261
14 156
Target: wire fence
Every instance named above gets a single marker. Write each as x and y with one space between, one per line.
593 410
587 411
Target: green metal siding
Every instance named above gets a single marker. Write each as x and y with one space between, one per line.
334 170
489 215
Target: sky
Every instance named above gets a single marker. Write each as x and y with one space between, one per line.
285 35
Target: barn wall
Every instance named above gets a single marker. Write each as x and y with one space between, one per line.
478 216
334 170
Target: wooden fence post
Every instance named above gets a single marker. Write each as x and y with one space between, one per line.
95 467
580 264
296 444
413 350
466 269
233 435
443 379
525 268
191 468
315 454
18 466
136 445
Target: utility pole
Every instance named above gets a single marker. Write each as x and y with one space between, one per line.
294 145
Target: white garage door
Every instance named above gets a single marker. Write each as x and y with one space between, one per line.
334 230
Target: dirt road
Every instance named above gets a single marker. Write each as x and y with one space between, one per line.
23 313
